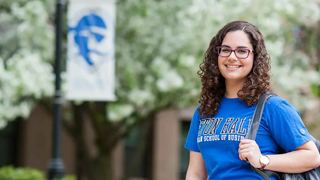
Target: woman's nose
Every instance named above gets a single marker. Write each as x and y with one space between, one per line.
233 56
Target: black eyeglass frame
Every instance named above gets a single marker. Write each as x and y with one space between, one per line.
234 50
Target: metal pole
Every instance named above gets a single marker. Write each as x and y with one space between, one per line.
56 167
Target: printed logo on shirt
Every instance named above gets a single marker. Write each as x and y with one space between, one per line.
211 129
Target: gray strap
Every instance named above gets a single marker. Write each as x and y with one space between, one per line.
256 118
261 173
266 174
253 129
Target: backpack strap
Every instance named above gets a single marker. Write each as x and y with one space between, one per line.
256 118
266 174
252 133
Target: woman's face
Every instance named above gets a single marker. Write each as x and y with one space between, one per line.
232 68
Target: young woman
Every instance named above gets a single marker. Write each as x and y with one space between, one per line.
234 75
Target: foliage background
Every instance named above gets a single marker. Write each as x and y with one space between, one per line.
159 45
158 50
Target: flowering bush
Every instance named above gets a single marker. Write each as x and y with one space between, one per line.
159 47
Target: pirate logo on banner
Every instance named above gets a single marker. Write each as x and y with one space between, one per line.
90 52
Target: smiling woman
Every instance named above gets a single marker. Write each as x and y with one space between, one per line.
235 67
235 35
234 75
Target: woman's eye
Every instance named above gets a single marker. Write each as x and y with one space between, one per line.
225 50
242 51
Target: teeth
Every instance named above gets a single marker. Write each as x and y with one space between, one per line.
232 66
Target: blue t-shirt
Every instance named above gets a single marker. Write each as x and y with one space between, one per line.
217 138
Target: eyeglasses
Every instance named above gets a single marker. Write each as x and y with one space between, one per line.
241 53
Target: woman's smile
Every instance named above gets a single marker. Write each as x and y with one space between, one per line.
231 67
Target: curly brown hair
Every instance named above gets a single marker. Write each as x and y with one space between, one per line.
213 83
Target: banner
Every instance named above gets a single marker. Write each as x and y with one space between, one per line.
90 56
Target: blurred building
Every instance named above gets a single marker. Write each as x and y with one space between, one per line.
27 143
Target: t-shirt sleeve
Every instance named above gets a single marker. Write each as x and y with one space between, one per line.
287 127
191 142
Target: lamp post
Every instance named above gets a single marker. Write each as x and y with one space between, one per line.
56 168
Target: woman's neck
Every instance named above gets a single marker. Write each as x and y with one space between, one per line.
232 88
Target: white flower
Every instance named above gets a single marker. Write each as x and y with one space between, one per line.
3 123
188 61
170 80
140 97
160 65
118 112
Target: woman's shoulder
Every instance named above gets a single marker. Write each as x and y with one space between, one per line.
276 102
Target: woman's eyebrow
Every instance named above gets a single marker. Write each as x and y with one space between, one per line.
242 47
237 47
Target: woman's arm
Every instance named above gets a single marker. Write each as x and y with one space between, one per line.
304 158
196 168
